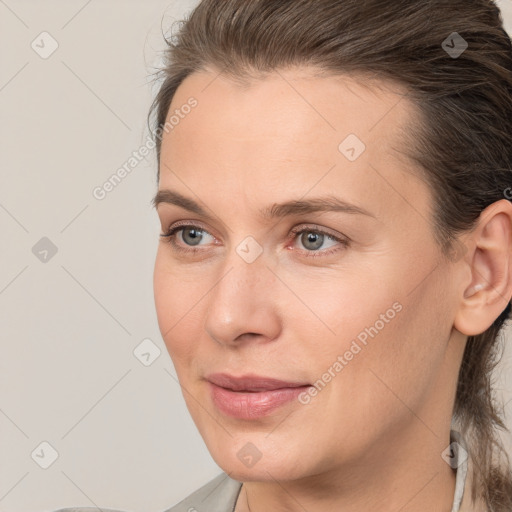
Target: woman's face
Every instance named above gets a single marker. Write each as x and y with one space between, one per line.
356 299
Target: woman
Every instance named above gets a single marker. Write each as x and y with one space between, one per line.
335 261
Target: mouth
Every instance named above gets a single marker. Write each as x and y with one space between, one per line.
251 383
252 397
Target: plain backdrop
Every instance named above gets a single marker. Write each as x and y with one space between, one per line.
76 297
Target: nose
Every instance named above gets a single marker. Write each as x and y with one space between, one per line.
243 304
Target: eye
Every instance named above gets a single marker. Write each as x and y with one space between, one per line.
313 239
190 236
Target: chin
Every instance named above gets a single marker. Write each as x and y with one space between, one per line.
260 473
249 459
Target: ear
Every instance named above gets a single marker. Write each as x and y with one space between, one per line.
489 289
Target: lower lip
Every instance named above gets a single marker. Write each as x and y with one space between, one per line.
251 405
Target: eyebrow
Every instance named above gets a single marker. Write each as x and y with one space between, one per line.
276 210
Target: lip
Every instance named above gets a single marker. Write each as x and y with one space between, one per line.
250 397
251 382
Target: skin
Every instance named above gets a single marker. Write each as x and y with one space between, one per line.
372 439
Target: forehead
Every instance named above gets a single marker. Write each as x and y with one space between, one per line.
287 130
292 106
327 100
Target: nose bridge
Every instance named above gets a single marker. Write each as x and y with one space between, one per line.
245 269
242 300
240 284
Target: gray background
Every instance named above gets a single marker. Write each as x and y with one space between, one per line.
70 323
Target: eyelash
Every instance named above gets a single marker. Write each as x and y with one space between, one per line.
170 236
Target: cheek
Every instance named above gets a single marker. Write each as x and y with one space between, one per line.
178 308
373 341
395 356
337 309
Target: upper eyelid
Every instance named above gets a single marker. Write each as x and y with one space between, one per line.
187 224
175 228
299 227
315 227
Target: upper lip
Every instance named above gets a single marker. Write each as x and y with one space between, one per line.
250 382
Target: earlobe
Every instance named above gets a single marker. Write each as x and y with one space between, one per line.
490 288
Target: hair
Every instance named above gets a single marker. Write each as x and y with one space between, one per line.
461 140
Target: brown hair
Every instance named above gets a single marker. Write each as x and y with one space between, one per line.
462 143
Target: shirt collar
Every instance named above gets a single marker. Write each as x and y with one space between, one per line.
459 463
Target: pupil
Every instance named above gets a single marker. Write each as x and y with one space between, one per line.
196 237
312 237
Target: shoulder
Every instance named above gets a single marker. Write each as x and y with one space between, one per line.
217 495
